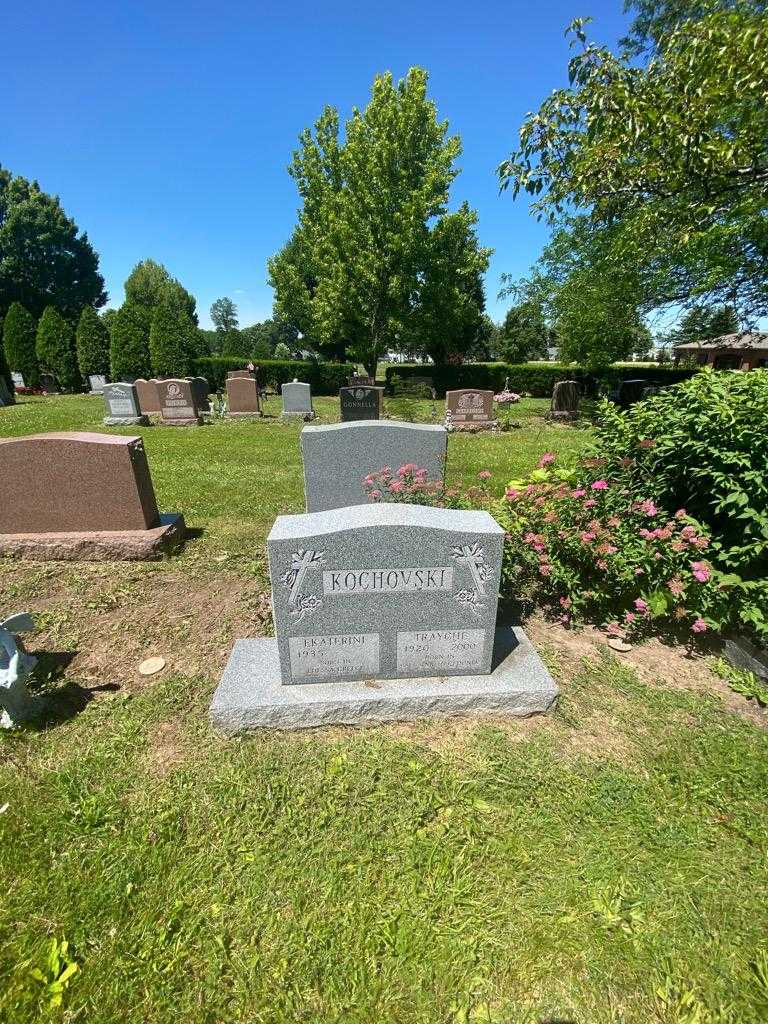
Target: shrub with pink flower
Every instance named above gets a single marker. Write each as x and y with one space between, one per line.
598 553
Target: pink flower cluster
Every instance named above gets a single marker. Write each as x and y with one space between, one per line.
506 397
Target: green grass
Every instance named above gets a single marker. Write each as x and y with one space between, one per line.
604 864
232 479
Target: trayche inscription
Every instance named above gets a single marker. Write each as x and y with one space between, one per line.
344 654
440 649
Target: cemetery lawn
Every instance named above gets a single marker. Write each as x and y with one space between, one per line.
605 864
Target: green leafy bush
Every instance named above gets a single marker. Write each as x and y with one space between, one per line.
590 548
703 446
324 378
19 331
55 348
537 379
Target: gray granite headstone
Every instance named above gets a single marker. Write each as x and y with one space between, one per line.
384 591
339 456
122 405
97 382
360 403
18 379
297 400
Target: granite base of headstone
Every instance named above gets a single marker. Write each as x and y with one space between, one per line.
565 401
122 404
179 403
382 613
297 400
470 410
338 457
360 403
82 497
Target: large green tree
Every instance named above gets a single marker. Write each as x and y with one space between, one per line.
92 343
44 259
525 333
149 285
171 341
224 315
55 347
129 343
704 322
358 272
19 341
667 158
591 302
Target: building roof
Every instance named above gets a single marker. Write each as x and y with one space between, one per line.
756 341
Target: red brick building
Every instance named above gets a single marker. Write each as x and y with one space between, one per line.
742 351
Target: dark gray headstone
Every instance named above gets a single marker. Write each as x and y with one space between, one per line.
122 405
6 398
360 403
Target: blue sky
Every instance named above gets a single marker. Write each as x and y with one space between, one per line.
166 128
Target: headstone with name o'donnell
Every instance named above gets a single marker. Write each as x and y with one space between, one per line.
360 403
81 496
470 409
179 403
297 400
122 404
382 612
339 456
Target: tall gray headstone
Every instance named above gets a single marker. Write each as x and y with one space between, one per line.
382 612
297 400
122 406
339 456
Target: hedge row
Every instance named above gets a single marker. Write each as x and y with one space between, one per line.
324 378
537 379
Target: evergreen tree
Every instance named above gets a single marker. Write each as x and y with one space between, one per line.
282 351
170 341
44 259
149 285
19 344
55 347
129 344
92 342
5 372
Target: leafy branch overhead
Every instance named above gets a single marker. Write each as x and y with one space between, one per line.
669 157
